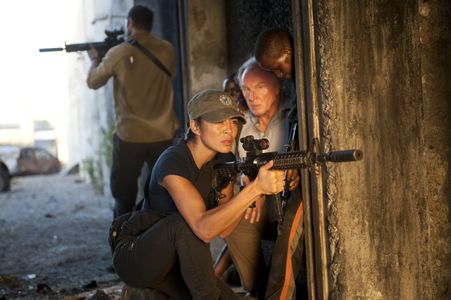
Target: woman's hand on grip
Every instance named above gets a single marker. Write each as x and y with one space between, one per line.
270 181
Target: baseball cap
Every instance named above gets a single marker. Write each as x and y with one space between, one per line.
213 106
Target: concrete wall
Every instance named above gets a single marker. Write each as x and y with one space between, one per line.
384 67
435 53
207 48
221 35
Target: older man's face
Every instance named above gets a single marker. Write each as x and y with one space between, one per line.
261 91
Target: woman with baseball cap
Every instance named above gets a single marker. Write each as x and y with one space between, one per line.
173 256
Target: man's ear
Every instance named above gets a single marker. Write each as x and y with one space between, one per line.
287 50
194 125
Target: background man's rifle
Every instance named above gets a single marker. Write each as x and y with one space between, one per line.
255 158
112 39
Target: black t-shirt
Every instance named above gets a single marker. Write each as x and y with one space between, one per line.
177 160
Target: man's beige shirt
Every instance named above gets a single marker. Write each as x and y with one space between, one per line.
143 93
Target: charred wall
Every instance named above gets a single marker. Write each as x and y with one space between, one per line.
222 34
384 72
246 19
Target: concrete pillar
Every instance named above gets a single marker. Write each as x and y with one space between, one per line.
383 78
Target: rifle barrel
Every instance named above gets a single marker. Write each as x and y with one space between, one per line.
344 155
79 47
50 49
285 161
302 159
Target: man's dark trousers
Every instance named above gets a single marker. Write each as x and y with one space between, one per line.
128 159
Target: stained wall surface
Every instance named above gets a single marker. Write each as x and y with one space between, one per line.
222 34
384 72
207 46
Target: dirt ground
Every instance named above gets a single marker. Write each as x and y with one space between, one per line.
53 239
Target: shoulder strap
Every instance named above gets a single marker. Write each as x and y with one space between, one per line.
146 188
149 54
141 205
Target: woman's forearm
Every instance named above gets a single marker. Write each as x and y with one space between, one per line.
221 220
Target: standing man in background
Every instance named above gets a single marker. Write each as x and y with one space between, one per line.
143 69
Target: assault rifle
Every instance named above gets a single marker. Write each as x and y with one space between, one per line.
255 158
112 39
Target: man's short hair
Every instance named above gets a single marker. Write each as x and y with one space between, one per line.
270 43
252 64
142 17
248 64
